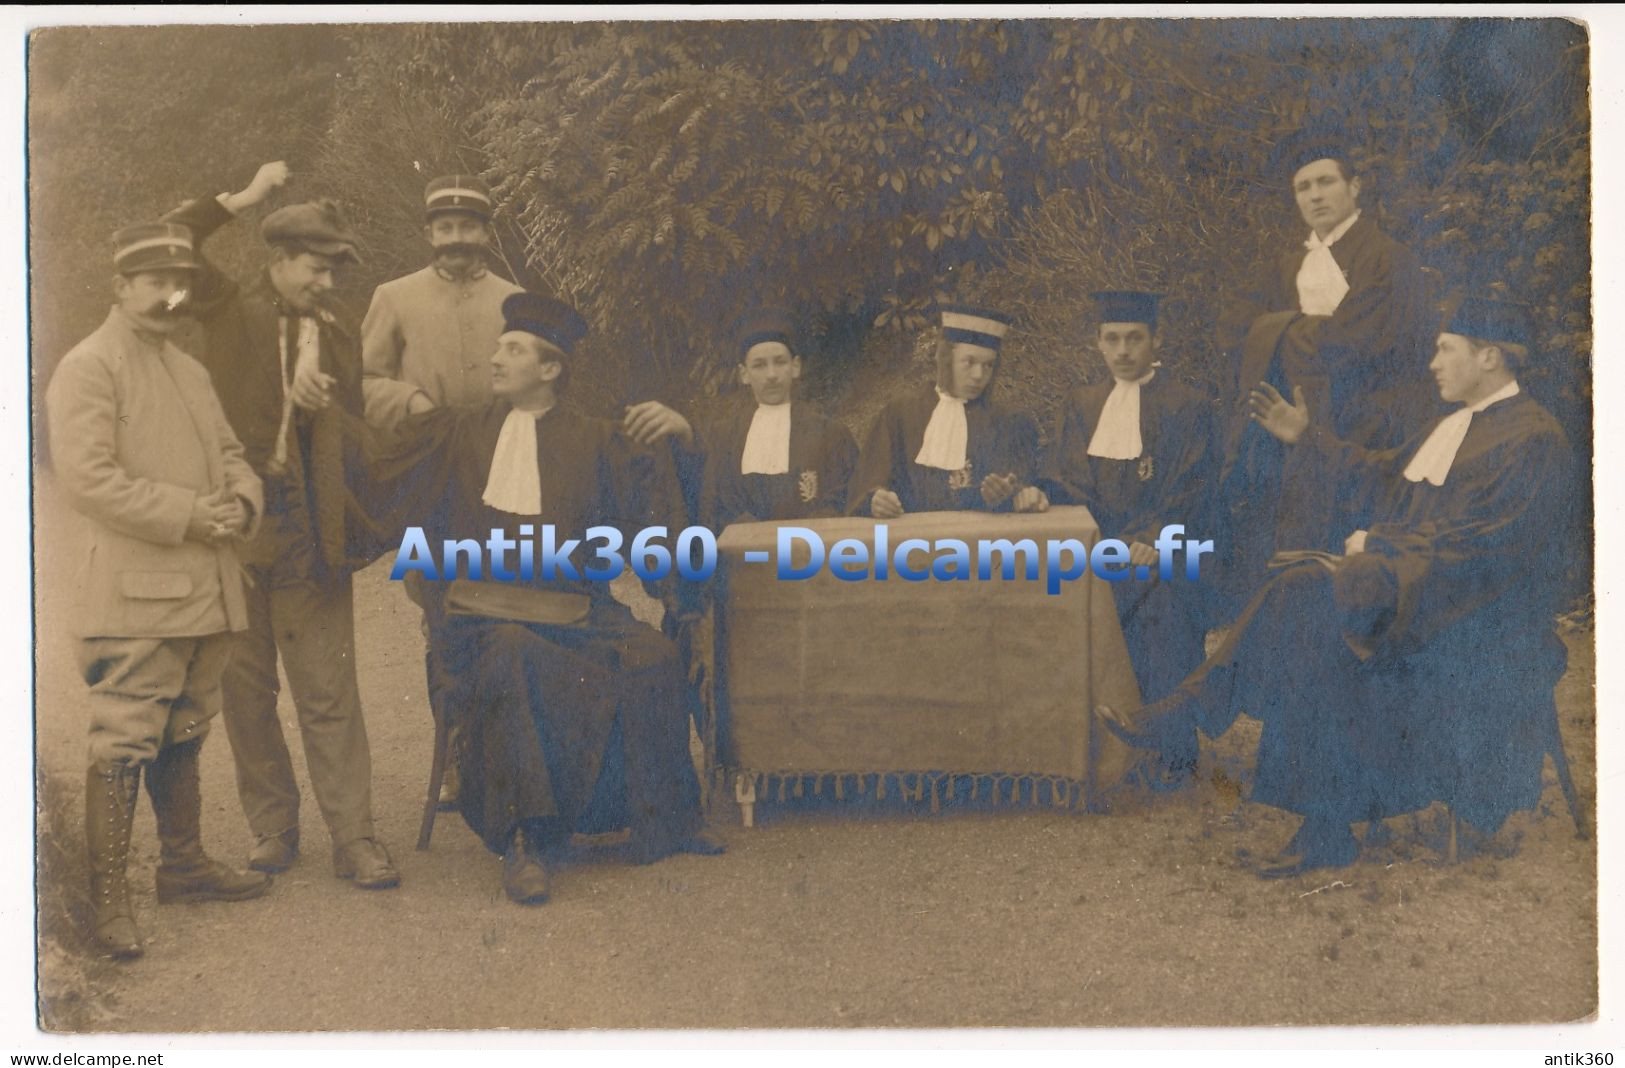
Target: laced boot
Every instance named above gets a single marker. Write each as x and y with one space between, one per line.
110 793
185 872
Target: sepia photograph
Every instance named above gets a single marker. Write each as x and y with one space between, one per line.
898 523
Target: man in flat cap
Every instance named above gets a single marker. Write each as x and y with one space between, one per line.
142 450
952 447
1348 317
427 338
1418 664
289 376
570 710
1137 450
775 457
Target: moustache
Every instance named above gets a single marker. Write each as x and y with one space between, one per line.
174 306
466 249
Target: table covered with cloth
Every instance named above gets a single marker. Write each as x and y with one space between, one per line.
918 686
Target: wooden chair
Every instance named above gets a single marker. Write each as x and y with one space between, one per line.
1553 743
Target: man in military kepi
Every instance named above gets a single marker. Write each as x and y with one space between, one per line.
571 710
288 371
775 457
952 447
427 336
144 453
427 339
1418 664
1137 450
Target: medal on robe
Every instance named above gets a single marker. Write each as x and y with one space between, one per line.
807 485
1147 469
958 480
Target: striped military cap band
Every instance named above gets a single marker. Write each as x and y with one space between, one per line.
173 244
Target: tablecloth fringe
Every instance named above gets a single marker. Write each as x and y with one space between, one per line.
1032 789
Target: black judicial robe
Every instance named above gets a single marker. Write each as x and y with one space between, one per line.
822 456
998 441
1132 500
1422 669
1363 370
567 726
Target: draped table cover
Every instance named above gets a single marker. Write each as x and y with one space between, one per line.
913 686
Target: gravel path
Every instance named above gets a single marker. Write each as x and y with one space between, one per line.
849 916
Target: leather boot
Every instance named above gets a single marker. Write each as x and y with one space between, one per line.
185 872
110 793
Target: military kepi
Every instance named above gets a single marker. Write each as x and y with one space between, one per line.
155 246
554 321
317 225
975 326
1488 319
457 192
764 324
1127 306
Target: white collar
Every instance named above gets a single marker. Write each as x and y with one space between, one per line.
1316 241
1509 390
1121 383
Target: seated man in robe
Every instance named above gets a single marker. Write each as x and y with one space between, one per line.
952 447
571 710
1418 665
776 457
1345 317
1136 450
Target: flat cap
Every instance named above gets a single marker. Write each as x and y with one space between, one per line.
316 225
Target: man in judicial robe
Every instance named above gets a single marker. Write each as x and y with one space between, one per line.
1348 318
776 457
427 338
288 373
571 710
952 447
1136 450
1419 664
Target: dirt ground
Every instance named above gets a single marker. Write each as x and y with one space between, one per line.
832 915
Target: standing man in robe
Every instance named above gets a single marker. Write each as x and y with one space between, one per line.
1349 319
1418 665
952 447
426 342
1137 451
145 455
777 457
289 374
571 709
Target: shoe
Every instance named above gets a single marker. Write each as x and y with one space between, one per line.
274 853
209 880
110 793
185 871
1314 848
450 787
524 875
366 863
703 843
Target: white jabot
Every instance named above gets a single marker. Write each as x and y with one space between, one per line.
515 482
1117 435
945 438
1321 285
1432 461
767 442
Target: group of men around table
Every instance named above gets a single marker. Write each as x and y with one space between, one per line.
1377 545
